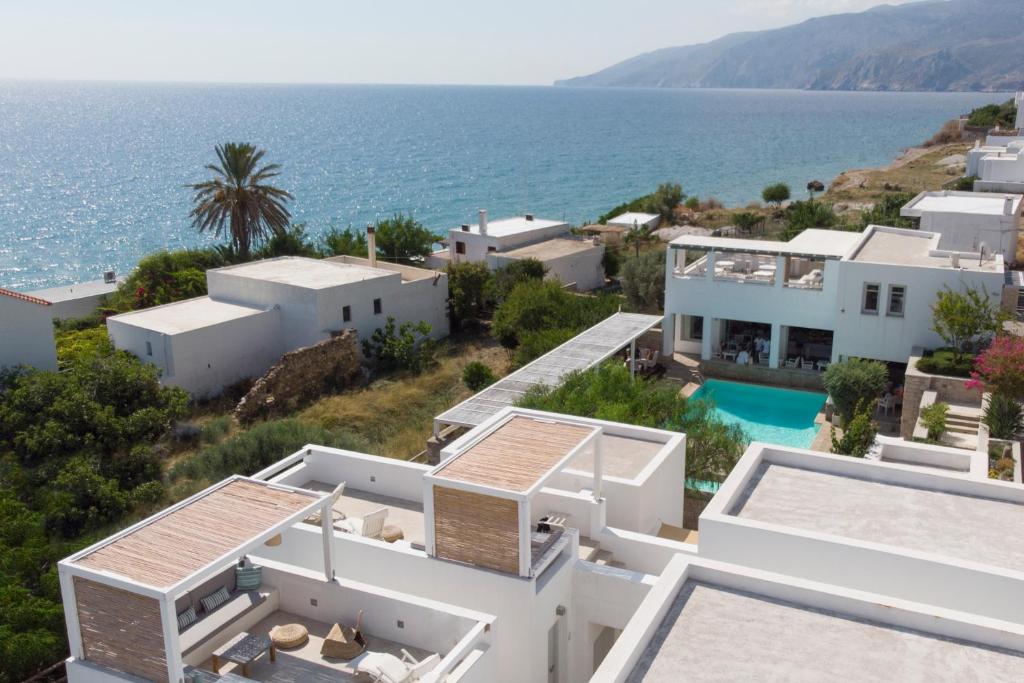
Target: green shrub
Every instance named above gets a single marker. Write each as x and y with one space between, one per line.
611 262
347 242
994 115
945 362
519 271
1003 417
535 344
933 418
887 212
965 184
854 381
292 241
662 201
775 193
468 287
401 347
262 445
477 376
859 433
643 281
216 429
166 276
402 238
75 347
804 215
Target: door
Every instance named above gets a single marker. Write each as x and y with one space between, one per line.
553 653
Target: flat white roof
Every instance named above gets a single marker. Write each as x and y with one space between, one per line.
582 352
714 633
79 290
551 249
901 247
505 227
184 316
943 522
810 243
630 217
972 203
305 272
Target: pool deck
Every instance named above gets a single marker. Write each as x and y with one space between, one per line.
711 633
940 522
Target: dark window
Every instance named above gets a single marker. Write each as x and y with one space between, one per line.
460 247
346 314
149 348
377 308
490 249
696 327
870 302
897 299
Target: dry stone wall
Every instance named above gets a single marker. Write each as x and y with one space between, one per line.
302 375
948 389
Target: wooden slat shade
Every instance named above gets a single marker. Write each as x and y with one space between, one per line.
475 528
516 455
172 547
121 630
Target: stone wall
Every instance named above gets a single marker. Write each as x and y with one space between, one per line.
810 380
302 375
948 390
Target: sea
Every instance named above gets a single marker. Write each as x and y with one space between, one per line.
93 175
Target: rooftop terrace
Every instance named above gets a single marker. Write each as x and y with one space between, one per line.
506 227
812 243
893 246
551 249
305 272
972 203
714 633
188 315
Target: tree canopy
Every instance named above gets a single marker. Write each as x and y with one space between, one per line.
402 238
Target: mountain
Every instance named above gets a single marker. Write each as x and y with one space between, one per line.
932 45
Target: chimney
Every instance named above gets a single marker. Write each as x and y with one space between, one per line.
483 221
529 216
371 245
110 277
1008 206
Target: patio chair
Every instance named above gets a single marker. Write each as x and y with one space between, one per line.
387 668
370 526
792 363
887 403
336 511
806 364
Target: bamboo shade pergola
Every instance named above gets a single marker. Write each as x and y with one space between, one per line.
517 454
173 546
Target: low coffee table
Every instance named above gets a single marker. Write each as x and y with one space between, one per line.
244 650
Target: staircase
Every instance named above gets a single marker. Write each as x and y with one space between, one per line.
962 425
590 551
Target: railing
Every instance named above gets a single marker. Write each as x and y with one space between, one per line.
55 673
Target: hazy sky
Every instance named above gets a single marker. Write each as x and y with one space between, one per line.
365 41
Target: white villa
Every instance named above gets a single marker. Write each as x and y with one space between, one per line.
970 221
543 548
823 296
632 220
255 312
572 260
998 165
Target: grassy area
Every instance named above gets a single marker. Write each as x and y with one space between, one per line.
944 362
395 414
916 171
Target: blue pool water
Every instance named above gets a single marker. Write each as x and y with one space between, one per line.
780 416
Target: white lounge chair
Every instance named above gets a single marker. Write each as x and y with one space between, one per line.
792 363
370 526
382 667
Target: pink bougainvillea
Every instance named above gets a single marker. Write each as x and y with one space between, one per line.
1000 368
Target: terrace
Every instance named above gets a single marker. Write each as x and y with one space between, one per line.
176 592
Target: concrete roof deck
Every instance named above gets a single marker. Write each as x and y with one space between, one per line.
408 273
630 216
76 291
712 633
174 544
188 315
895 246
304 272
505 227
810 243
551 249
973 203
941 522
516 455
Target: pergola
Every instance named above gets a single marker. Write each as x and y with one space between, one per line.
120 593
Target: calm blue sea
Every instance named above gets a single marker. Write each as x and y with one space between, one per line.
92 174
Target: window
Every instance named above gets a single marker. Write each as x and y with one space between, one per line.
149 348
696 327
460 247
870 303
377 307
897 298
346 314
490 249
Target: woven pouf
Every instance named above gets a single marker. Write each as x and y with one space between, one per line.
289 635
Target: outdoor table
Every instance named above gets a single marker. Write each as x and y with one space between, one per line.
725 264
244 651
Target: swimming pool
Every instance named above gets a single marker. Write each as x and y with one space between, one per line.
780 416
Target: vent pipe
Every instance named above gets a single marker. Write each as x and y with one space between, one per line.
1008 206
371 245
483 221
529 216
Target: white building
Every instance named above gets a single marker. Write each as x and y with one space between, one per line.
77 300
636 221
970 221
537 551
822 296
497 243
255 312
26 331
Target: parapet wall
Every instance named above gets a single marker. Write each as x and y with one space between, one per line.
301 375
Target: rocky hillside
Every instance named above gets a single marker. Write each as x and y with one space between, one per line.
933 45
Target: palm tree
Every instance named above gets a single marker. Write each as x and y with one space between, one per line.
239 197
639 237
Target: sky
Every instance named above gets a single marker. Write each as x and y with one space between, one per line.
511 42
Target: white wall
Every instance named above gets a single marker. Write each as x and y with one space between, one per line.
584 268
26 334
477 245
384 476
888 338
963 232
